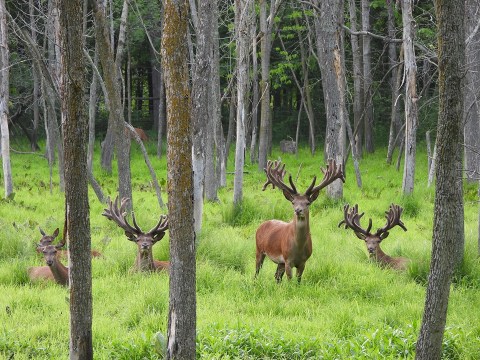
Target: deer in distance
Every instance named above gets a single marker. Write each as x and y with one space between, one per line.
54 270
289 244
145 240
372 240
49 239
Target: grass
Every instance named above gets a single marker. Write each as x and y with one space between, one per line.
345 308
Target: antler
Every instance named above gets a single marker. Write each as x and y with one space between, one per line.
393 219
352 221
158 231
118 215
330 174
275 173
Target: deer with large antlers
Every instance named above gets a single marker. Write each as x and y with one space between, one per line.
372 240
54 270
290 244
144 240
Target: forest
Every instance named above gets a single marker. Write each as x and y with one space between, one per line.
184 117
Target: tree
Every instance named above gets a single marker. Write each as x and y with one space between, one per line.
242 23
367 78
4 96
411 98
181 315
77 221
448 231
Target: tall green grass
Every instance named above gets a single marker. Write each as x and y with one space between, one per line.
345 308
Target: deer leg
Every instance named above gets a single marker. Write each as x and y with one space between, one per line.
280 271
300 269
260 258
288 270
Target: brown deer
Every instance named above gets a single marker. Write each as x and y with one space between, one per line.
290 244
54 270
352 221
49 239
144 240
140 132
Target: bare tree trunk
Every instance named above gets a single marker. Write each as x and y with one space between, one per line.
448 221
255 96
358 118
36 83
396 126
4 96
231 121
411 110
242 24
75 129
182 305
367 78
392 60
329 50
92 111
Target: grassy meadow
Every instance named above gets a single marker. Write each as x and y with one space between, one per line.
345 308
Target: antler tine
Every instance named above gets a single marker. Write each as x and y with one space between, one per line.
393 219
161 226
275 173
331 173
118 215
352 220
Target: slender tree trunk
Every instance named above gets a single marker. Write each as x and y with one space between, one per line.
411 108
36 83
92 111
255 96
448 226
75 130
4 96
242 23
367 78
182 305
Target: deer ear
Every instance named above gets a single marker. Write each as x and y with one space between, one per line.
158 237
314 196
55 233
130 236
360 235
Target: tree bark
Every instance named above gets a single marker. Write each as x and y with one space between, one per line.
448 231
367 78
75 130
182 306
4 96
411 108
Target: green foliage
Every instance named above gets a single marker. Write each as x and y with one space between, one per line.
346 307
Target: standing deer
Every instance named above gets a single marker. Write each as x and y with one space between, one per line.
290 244
49 239
352 221
144 241
54 270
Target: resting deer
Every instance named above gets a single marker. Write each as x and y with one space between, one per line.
49 239
54 270
352 221
144 240
290 244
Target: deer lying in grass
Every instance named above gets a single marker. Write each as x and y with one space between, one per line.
289 244
144 240
54 270
352 221
49 239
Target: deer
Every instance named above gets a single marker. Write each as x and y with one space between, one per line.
49 239
372 240
289 244
54 270
140 132
144 261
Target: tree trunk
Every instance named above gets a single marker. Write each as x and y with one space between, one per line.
411 109
472 84
75 130
255 96
329 49
4 96
448 231
182 306
242 23
92 111
36 83
367 78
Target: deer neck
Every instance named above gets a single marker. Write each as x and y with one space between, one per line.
60 272
144 261
381 257
302 228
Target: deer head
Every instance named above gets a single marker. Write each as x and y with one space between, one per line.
144 240
46 239
372 240
276 172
